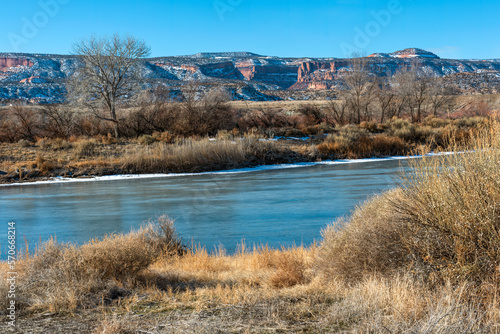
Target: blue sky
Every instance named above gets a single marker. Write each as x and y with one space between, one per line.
324 28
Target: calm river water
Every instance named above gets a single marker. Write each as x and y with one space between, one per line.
275 207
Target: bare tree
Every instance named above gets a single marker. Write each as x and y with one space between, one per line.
421 92
58 121
338 111
441 96
385 98
360 88
413 85
108 73
27 121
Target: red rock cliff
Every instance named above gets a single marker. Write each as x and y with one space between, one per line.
253 71
6 63
314 71
283 76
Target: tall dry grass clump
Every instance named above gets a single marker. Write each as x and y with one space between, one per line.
451 207
367 242
442 224
424 257
356 142
63 277
190 155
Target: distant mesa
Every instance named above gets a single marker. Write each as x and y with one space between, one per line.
244 75
407 53
212 55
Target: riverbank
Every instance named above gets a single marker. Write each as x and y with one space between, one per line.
421 258
104 178
163 154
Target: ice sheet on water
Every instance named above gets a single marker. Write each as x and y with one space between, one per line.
232 171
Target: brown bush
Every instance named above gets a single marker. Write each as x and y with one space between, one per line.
442 225
63 277
85 148
290 269
58 122
451 206
312 114
45 166
353 142
368 242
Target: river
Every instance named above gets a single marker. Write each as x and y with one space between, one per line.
277 206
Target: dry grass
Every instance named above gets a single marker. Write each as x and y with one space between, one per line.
209 293
443 222
206 155
355 145
451 207
369 242
163 152
96 156
441 230
63 278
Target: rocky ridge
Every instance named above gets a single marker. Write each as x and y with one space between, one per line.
40 78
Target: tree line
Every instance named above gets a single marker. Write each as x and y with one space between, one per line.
410 92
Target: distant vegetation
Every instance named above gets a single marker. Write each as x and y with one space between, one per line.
159 136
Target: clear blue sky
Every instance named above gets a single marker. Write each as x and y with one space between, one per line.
315 28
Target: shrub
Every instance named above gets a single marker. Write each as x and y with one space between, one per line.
290 269
45 166
58 122
85 148
371 126
146 139
451 208
382 145
53 144
435 122
64 277
369 241
24 143
312 114
442 225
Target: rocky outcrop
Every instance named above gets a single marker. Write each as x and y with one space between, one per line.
224 70
317 71
188 68
33 80
220 70
7 62
283 76
319 75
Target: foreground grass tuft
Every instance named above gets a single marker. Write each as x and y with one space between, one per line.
442 224
63 277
